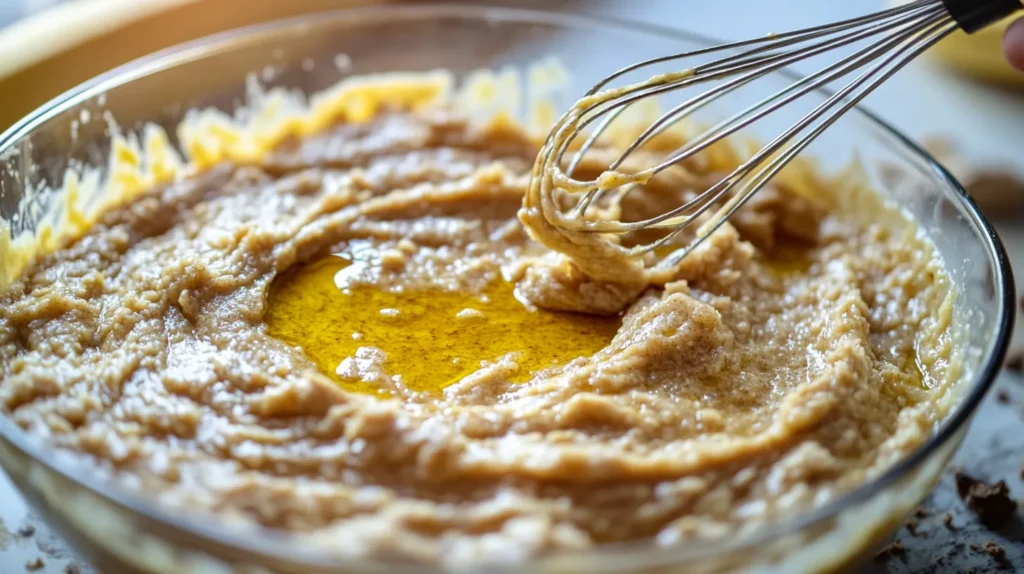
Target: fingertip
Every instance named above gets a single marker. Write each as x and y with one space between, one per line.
1013 44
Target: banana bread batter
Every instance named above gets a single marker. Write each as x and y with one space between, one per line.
478 397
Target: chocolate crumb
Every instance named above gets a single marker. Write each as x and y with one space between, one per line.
947 521
34 564
893 549
1002 396
1015 362
963 481
911 526
922 512
990 502
72 569
997 553
26 530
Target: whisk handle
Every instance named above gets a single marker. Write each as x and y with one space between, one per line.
973 15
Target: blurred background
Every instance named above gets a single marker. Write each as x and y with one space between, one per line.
962 102
965 102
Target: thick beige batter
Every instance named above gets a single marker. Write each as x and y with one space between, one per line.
793 356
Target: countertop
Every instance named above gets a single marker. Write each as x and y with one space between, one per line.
921 101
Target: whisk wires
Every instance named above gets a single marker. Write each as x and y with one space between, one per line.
896 36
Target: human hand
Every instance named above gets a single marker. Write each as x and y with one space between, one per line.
1013 44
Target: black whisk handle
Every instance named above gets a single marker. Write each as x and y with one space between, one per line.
973 15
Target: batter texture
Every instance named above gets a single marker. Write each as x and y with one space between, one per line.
797 353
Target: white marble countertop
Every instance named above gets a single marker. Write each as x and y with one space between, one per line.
921 101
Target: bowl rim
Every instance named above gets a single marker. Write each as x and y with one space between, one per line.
272 544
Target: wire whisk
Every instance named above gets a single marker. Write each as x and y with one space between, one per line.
896 37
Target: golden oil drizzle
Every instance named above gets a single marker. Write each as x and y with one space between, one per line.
788 258
430 340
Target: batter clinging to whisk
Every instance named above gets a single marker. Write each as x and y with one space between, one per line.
583 219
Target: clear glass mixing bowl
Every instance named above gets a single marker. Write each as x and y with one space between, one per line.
122 533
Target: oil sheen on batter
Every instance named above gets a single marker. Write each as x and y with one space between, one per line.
354 340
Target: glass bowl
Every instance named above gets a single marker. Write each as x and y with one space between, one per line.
123 533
